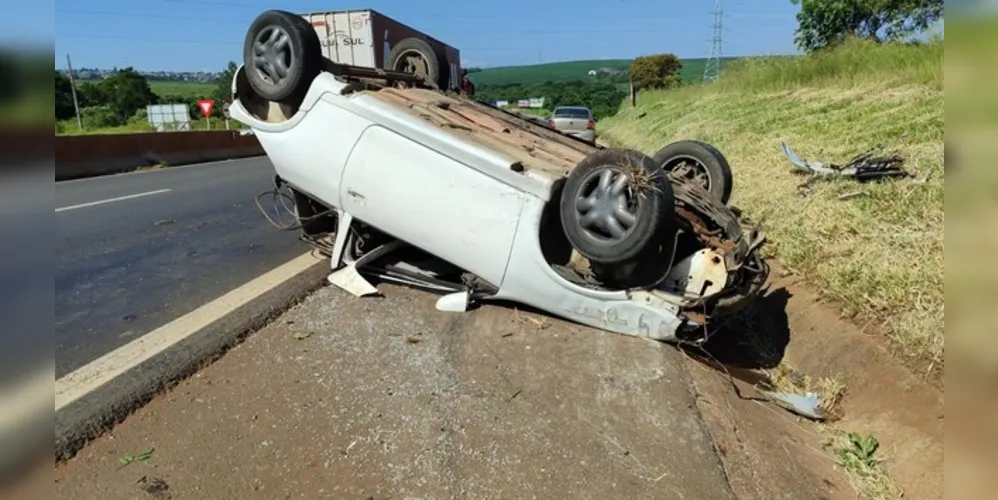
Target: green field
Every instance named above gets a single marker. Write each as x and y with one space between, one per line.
877 249
573 70
194 90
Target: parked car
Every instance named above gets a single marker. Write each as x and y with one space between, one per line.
396 180
577 121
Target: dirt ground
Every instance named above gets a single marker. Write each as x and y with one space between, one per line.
386 397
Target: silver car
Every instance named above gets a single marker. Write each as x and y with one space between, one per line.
574 120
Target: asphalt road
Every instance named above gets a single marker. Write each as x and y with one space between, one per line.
136 251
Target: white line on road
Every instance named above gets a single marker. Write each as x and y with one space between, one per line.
87 378
110 200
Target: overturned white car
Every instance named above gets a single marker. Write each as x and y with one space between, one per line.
400 181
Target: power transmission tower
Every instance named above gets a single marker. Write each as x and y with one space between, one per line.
713 66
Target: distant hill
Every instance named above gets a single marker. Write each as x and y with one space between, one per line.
573 70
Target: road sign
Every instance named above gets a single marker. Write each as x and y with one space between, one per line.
206 105
225 109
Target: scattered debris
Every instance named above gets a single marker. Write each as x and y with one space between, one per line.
128 458
541 324
414 339
863 167
854 194
515 394
507 334
156 487
815 399
804 405
302 335
164 222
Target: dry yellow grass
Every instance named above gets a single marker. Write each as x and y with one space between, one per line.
880 254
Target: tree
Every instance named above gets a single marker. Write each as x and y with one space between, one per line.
223 86
90 94
63 97
658 71
127 92
826 23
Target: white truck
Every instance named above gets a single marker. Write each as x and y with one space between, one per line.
371 39
397 180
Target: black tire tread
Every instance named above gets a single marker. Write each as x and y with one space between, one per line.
306 48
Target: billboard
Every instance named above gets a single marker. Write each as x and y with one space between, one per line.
169 117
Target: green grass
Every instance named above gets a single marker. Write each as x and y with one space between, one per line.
573 70
136 125
880 255
192 90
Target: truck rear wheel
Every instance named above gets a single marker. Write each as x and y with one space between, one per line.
416 56
281 55
616 206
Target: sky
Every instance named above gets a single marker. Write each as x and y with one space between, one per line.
193 35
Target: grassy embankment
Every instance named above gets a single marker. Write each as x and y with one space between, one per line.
879 254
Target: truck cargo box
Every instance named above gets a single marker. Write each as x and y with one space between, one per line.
366 37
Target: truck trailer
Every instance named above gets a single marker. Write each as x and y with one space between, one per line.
370 39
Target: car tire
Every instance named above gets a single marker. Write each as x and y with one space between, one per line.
616 205
710 167
433 71
281 42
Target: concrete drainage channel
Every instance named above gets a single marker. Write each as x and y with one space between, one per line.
95 397
765 451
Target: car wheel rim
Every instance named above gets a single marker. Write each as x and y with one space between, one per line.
413 62
272 57
689 169
605 207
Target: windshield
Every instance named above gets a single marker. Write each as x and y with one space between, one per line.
571 113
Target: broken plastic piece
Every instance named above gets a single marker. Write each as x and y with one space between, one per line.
350 280
805 405
454 302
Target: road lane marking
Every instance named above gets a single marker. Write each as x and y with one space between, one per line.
111 200
95 374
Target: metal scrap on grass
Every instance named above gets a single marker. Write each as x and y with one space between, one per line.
863 167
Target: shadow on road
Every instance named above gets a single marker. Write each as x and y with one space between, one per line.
755 339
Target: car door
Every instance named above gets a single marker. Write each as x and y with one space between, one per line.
433 202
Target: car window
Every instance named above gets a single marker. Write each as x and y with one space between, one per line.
571 113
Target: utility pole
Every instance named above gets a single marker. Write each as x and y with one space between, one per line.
713 66
72 85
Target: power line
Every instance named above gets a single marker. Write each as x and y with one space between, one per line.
713 67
